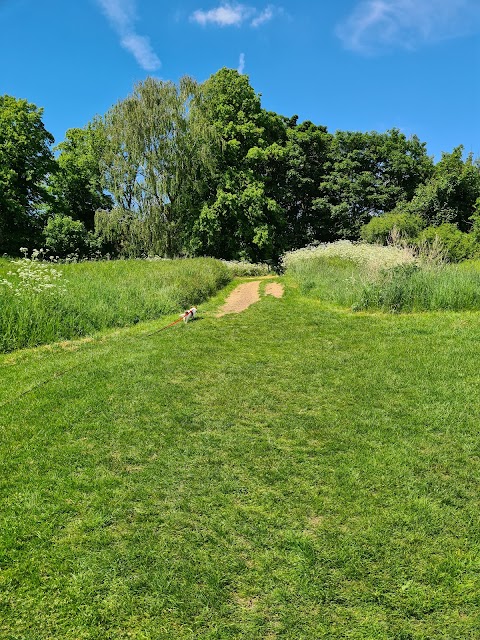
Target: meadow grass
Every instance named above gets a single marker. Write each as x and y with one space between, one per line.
411 288
91 296
333 279
470 265
294 472
389 279
371 257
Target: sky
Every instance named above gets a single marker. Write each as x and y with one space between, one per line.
357 65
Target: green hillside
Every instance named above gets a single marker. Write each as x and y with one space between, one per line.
297 471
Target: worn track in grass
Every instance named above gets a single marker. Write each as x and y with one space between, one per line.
247 294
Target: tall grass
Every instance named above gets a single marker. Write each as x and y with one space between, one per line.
418 288
386 278
91 296
327 278
371 257
339 272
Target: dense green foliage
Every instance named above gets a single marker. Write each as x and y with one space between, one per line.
42 302
382 229
368 175
186 169
76 187
315 476
447 204
156 158
240 217
64 236
25 162
456 244
450 194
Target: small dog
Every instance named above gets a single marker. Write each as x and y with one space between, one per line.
189 315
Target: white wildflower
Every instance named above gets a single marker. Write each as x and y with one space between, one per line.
32 276
374 258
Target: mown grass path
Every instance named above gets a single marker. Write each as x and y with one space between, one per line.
294 471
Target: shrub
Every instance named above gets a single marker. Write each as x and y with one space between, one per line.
475 218
380 229
458 245
64 236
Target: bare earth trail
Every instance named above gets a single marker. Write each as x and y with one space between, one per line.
247 294
274 289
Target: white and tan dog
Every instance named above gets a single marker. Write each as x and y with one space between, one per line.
190 314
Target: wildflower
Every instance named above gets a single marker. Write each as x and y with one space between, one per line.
33 276
373 258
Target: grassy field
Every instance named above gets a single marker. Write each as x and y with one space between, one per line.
297 471
46 303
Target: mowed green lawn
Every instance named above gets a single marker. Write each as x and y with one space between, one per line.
296 471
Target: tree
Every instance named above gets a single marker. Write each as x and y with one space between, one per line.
77 185
26 161
292 168
64 236
307 154
449 196
154 166
241 217
232 107
367 175
242 222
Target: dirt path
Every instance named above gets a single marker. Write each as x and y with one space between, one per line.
274 289
247 294
241 298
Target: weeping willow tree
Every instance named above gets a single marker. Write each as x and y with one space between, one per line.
156 163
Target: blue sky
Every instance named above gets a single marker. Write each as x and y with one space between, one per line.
350 64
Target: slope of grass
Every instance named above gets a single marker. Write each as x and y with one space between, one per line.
332 279
292 472
383 278
91 296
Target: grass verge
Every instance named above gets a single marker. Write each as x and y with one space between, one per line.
92 296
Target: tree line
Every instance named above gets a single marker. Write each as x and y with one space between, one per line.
202 169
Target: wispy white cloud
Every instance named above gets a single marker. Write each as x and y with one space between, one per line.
226 15
122 16
142 50
265 16
376 25
234 14
241 63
